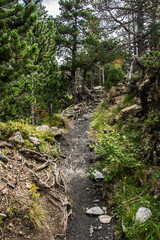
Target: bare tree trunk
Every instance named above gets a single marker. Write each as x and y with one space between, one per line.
99 76
51 109
103 75
93 76
83 81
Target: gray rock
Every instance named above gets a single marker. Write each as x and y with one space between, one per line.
105 219
143 214
54 128
99 227
34 140
43 128
3 158
16 138
97 175
95 211
58 132
5 144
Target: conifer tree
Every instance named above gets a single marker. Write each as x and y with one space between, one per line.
72 26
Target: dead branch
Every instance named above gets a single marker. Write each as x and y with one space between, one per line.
1 233
41 167
36 155
55 204
132 199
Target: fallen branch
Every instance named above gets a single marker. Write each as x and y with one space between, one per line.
41 167
43 157
132 199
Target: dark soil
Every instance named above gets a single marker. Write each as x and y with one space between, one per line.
84 192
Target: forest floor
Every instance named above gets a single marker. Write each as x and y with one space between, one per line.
84 192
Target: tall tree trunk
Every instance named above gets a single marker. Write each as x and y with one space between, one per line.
103 75
93 76
140 26
83 81
100 77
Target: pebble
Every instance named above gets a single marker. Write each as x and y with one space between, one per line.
97 175
5 191
99 227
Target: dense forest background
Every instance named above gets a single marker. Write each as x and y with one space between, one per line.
48 63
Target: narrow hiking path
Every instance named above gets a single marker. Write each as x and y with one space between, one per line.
84 192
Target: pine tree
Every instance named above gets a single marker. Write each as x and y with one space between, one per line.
72 26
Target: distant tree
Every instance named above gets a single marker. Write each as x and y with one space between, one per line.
72 26
136 19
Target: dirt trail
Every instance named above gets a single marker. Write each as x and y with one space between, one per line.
84 192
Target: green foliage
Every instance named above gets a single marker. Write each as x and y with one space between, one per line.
130 195
119 154
48 148
55 120
127 99
114 73
11 208
153 120
132 183
151 61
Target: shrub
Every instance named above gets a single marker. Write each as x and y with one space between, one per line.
119 154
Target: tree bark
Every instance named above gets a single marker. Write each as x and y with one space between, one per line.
93 76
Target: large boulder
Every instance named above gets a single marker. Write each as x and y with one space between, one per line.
133 111
143 214
17 138
43 128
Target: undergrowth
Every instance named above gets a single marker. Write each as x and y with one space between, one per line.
46 138
36 212
134 184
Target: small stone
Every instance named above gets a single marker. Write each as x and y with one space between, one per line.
96 201
5 191
28 185
91 230
99 227
95 228
87 189
3 216
54 128
95 211
34 140
104 209
143 214
21 233
105 219
97 175
116 234
10 225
